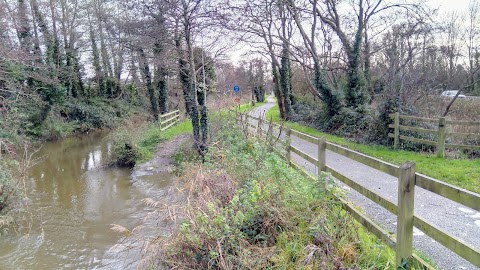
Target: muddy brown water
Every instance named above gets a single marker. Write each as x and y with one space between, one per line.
72 202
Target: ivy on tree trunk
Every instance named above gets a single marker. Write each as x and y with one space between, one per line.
148 81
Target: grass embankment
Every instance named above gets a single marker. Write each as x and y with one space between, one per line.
247 209
135 143
464 173
249 106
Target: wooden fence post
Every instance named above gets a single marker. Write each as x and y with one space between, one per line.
288 132
396 131
322 147
406 197
442 131
260 126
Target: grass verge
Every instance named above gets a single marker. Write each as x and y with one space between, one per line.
249 210
248 106
464 173
135 143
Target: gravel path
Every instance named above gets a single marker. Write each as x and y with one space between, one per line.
459 221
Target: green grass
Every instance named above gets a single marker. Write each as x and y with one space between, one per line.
464 173
248 106
152 136
259 213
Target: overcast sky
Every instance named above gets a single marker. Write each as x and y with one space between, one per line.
445 6
450 5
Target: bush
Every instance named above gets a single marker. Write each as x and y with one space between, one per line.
308 111
7 187
359 126
34 118
125 149
249 210
94 113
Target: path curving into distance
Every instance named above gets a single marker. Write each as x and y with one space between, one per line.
456 219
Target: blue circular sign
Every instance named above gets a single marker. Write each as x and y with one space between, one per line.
236 88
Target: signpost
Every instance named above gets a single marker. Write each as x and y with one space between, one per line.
236 89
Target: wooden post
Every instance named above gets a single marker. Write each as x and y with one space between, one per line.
260 126
289 142
406 197
322 147
396 131
442 131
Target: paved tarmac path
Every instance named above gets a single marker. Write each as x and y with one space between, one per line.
456 219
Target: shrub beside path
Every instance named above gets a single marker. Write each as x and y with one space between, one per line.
454 218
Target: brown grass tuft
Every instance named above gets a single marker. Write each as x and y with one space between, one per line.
209 185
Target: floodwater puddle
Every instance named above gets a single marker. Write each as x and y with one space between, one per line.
74 199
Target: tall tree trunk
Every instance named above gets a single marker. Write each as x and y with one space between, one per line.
55 49
133 68
253 85
285 82
25 36
69 71
148 80
24 33
163 90
107 68
356 96
195 97
285 68
161 76
366 67
277 87
325 91
96 63
38 17
329 97
37 52
183 72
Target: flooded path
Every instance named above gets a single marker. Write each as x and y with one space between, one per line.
73 200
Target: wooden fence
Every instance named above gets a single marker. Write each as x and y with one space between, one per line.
403 208
441 132
169 119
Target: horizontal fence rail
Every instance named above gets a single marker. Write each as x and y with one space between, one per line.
402 242
451 192
364 159
440 133
169 119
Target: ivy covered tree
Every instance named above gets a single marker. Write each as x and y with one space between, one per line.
256 79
